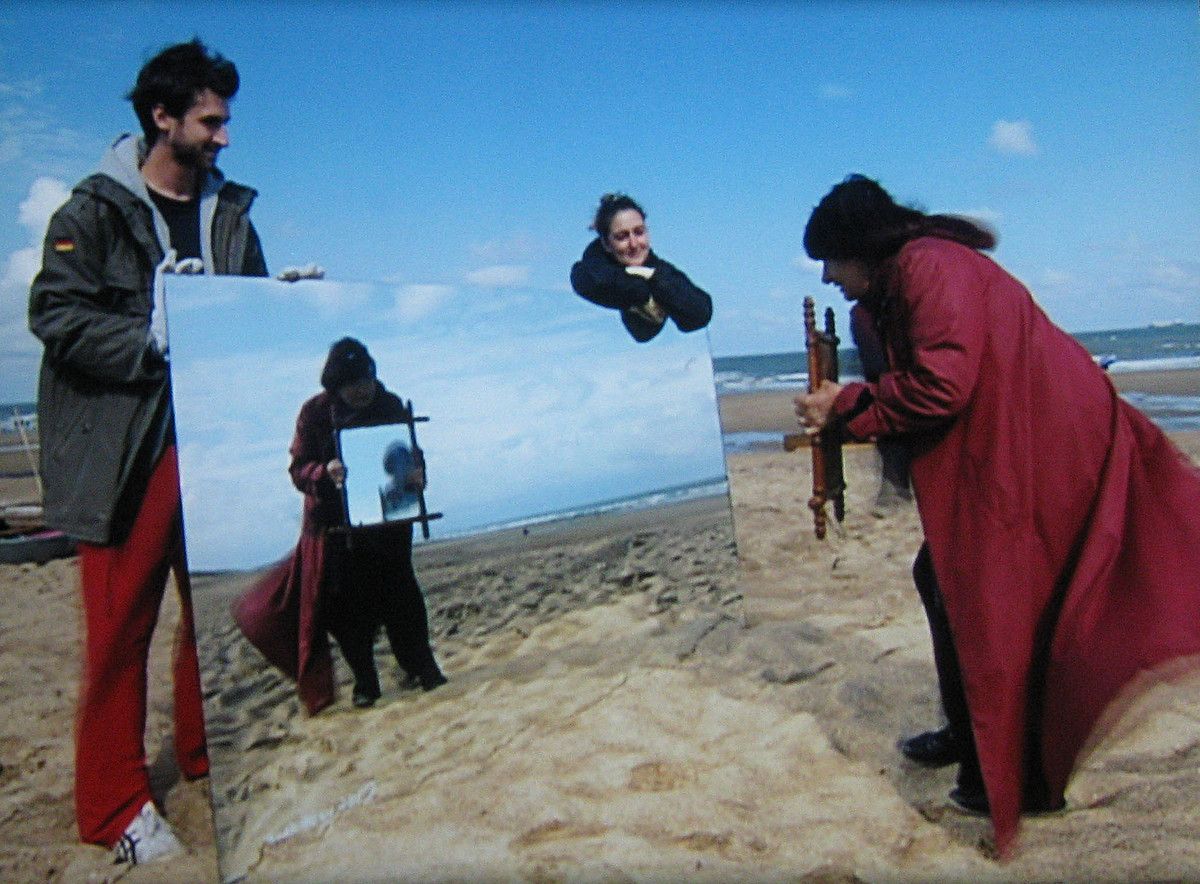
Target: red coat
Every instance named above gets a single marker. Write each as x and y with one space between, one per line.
281 613
1062 524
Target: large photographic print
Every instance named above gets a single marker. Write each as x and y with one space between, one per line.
581 485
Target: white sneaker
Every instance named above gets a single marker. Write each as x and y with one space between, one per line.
147 838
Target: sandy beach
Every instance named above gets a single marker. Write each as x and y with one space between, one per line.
501 605
40 652
621 708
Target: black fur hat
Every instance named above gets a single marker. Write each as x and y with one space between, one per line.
348 362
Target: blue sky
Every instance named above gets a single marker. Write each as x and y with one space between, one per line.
537 403
464 146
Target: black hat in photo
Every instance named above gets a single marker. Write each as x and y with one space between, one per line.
348 362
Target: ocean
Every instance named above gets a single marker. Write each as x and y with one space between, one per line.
1168 347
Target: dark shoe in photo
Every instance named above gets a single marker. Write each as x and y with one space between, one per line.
971 799
364 698
1042 807
430 679
932 748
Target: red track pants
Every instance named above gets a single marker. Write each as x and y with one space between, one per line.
123 588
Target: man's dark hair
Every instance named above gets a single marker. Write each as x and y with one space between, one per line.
175 78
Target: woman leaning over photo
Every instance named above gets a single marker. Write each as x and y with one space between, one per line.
1061 545
618 270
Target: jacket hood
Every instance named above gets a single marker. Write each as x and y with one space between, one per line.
122 162
121 165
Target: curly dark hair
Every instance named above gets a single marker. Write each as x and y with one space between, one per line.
175 78
610 204
858 219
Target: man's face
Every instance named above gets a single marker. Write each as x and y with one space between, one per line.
198 136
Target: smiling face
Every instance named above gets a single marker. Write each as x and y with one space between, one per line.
200 134
851 275
627 239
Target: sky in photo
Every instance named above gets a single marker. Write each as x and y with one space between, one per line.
461 147
536 404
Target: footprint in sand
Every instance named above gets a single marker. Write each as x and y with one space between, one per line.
659 776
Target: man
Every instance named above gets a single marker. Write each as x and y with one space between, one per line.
108 463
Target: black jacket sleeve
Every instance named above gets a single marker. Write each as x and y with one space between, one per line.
598 278
687 304
255 263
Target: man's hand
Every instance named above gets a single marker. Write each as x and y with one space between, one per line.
814 409
295 274
650 311
336 471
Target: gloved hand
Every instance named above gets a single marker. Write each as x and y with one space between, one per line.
294 274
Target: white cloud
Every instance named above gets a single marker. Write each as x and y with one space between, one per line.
18 347
30 138
808 265
418 300
499 276
1013 138
45 196
1176 275
835 91
330 299
520 245
1058 278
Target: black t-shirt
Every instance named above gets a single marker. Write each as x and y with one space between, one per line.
183 222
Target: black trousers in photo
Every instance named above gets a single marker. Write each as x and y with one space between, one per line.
372 583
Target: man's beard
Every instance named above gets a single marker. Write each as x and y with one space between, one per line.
192 157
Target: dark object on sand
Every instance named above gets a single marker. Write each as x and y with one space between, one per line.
37 548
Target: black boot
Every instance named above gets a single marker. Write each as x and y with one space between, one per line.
969 792
933 748
431 678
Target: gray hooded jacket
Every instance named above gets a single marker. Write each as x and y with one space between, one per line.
104 395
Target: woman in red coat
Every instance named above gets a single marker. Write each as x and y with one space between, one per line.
1062 549
330 583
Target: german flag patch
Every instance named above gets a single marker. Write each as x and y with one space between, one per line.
64 245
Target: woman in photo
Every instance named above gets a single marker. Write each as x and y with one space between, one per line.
618 270
344 583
